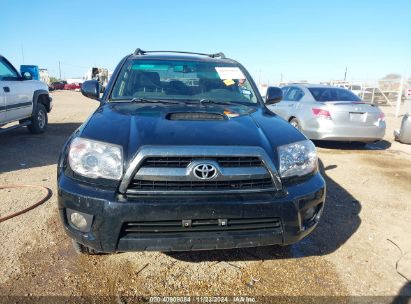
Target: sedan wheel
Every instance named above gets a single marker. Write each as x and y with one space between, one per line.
294 122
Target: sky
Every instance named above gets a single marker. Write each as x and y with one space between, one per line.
290 40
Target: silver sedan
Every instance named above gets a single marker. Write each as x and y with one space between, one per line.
330 113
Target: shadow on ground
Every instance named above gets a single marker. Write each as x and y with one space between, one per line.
340 145
339 222
20 149
404 295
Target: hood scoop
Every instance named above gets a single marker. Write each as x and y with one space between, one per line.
195 116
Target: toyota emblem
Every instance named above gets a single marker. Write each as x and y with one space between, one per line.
205 171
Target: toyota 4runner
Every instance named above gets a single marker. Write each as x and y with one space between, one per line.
22 99
183 154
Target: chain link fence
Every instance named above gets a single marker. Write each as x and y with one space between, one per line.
388 91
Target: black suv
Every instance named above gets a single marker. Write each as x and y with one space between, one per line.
182 154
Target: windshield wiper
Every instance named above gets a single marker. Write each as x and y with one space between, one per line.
211 101
143 100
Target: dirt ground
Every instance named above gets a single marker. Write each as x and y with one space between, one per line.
352 252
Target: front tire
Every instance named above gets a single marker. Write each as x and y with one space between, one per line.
83 249
294 122
39 120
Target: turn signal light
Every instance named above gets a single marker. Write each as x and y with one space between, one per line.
320 113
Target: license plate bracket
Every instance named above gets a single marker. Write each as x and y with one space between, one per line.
357 117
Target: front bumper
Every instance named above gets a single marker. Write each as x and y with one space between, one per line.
111 212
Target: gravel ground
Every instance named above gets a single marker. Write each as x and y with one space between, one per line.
352 251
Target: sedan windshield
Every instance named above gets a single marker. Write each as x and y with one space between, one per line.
333 94
192 81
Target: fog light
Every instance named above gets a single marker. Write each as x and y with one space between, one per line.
309 214
78 220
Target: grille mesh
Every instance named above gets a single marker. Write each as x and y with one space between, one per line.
248 184
200 225
184 161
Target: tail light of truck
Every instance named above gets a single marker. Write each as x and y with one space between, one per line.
321 113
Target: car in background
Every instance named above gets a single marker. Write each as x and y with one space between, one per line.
72 86
330 113
57 85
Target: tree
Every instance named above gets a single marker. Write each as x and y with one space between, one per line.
53 79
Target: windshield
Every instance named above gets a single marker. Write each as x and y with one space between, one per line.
333 94
182 80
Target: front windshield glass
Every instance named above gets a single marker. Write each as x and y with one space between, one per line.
182 80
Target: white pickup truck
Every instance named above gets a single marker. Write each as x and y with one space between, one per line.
22 99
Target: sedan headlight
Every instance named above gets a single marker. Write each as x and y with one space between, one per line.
96 159
297 159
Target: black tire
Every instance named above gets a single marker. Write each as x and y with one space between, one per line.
39 120
83 249
294 122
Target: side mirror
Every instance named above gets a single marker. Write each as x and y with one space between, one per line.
273 95
91 89
27 76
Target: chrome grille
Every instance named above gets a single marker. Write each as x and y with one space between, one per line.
184 161
174 170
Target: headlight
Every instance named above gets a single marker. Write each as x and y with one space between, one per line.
297 159
96 159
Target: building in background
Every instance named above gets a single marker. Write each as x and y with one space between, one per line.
99 74
44 76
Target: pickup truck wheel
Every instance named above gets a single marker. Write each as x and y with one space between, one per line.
82 249
39 120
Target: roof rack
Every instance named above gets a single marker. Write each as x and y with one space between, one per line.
139 51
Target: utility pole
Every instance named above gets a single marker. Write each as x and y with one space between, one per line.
345 74
60 70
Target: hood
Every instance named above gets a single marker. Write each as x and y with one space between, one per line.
133 125
37 84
